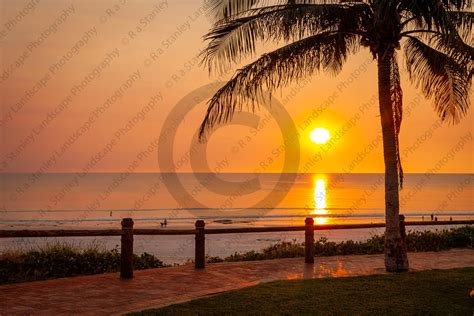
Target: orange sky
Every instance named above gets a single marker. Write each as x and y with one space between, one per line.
87 86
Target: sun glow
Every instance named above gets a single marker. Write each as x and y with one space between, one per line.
320 201
320 135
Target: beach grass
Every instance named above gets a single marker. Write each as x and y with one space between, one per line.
435 292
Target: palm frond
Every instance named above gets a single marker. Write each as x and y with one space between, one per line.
424 14
326 51
443 16
396 96
233 39
453 46
441 78
463 22
427 8
453 38
457 4
223 9
226 9
451 41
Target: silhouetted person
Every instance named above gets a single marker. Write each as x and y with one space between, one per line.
432 216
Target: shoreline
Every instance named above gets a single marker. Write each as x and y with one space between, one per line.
212 221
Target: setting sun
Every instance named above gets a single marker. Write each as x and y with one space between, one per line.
320 135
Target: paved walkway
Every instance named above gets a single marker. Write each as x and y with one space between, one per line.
107 294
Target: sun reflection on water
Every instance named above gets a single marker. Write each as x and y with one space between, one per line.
320 200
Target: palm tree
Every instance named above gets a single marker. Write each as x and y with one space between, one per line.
315 35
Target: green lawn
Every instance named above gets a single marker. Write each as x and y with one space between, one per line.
437 292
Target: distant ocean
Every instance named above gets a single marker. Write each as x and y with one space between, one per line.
71 200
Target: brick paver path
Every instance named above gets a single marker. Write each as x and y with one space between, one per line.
107 294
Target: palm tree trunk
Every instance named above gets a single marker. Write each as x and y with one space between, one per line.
395 249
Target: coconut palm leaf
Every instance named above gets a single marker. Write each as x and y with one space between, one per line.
463 21
427 14
451 45
226 9
451 38
435 15
233 39
223 9
396 96
457 4
440 77
326 51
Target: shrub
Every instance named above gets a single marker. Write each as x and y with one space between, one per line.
64 260
460 237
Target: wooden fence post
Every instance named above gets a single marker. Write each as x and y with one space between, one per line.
403 233
309 240
199 248
126 252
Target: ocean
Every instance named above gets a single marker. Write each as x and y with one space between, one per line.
101 200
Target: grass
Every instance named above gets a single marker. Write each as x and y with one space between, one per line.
435 240
436 292
60 260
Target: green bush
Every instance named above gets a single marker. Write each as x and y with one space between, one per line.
64 260
281 250
436 240
440 240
